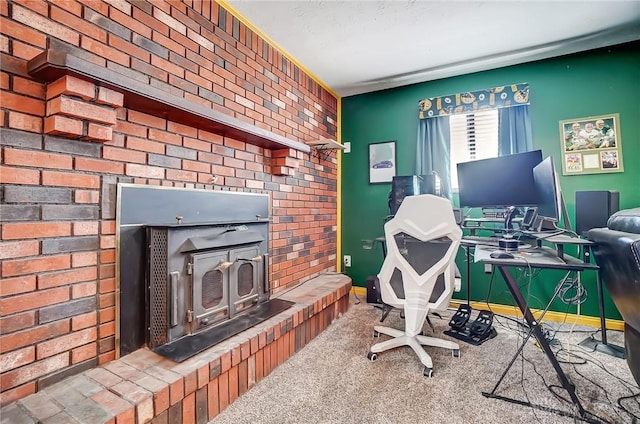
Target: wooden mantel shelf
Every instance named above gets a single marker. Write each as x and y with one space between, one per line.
51 65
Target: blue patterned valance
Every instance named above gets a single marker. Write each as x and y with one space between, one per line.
473 101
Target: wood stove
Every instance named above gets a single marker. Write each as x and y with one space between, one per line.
203 280
202 275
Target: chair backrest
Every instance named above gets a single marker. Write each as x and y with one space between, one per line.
422 240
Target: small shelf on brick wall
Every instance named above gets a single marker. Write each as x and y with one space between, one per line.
322 148
51 65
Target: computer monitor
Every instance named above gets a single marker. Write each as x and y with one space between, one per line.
550 208
411 185
499 182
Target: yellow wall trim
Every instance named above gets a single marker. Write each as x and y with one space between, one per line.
275 45
612 324
339 191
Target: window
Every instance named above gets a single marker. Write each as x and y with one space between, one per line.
473 136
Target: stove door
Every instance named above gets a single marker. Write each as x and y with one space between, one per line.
210 285
246 276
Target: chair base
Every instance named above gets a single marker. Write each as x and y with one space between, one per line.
400 338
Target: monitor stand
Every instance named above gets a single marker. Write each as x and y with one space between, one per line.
546 225
565 213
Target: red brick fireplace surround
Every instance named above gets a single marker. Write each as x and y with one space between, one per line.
145 387
164 93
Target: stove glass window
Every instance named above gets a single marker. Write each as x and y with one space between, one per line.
245 279
212 288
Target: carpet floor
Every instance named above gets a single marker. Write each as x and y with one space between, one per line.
331 380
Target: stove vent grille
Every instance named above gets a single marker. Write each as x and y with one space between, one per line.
158 293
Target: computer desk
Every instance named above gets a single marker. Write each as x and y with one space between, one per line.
538 258
559 241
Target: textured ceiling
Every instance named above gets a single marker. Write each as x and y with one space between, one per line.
356 47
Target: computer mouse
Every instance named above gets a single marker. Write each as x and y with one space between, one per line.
500 254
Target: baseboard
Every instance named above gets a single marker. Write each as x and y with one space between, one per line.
360 291
612 324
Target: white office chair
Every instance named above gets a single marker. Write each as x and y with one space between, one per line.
418 272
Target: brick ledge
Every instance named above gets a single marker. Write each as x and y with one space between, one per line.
145 387
53 64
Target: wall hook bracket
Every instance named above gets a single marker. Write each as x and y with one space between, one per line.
323 148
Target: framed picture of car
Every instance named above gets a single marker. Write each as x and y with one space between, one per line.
382 162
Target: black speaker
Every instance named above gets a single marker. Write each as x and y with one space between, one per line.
529 218
458 214
593 209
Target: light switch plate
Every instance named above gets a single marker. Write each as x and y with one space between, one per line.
347 147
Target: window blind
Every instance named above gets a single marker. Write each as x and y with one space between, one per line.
473 136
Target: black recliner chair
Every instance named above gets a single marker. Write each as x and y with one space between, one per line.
617 253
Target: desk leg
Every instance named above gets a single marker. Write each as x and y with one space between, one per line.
468 255
604 347
542 341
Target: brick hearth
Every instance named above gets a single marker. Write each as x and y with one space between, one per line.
145 387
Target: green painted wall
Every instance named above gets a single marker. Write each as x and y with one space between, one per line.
594 83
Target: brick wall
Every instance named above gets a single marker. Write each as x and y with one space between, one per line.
65 144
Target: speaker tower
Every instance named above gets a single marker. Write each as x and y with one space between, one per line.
593 209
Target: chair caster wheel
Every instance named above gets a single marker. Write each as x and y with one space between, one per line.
455 353
376 333
372 356
428 372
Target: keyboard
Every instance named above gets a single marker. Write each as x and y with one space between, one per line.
487 241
